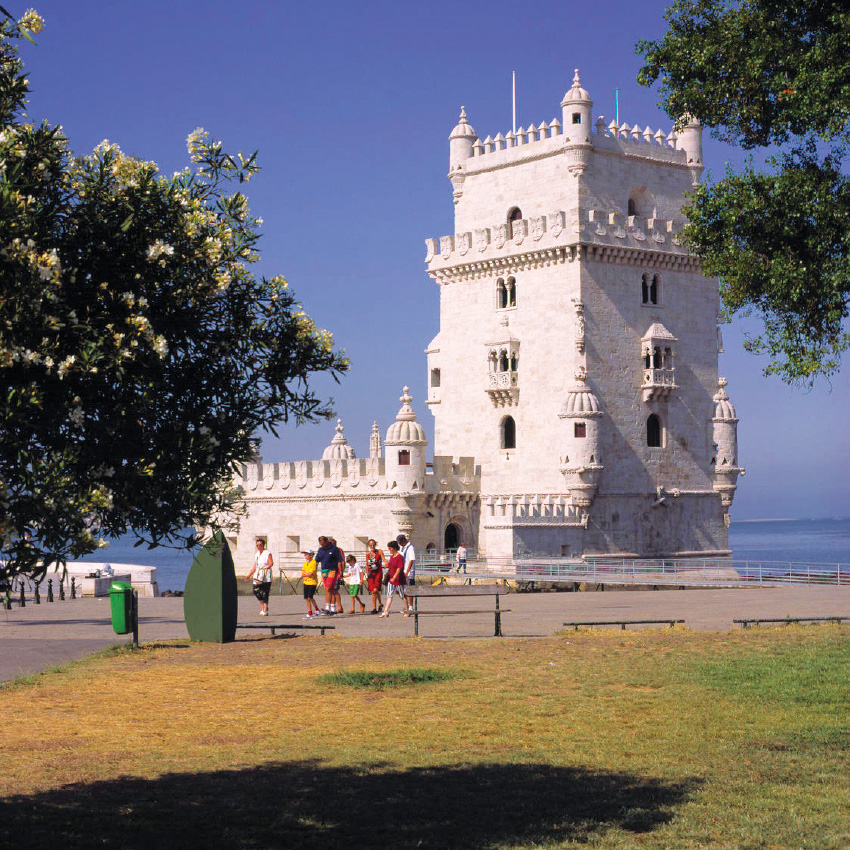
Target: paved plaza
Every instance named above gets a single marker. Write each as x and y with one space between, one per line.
40 636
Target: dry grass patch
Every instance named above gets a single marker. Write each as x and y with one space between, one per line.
659 739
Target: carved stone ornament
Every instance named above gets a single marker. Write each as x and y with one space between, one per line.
446 246
538 228
431 249
463 242
520 229
482 238
500 235
619 232
657 237
639 235
556 223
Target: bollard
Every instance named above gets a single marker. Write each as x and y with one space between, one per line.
23 598
61 590
50 590
36 593
73 588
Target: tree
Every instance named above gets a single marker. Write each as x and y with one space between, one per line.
773 75
140 357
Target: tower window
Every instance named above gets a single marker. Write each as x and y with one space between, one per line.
650 289
653 431
508 433
435 378
576 117
404 458
505 293
580 429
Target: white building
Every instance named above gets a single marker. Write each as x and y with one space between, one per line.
573 381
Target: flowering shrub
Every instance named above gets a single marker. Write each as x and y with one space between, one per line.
140 356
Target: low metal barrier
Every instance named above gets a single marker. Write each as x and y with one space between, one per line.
693 572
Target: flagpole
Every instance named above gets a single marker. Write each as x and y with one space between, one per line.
513 73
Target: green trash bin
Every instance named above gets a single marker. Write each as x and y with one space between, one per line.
121 601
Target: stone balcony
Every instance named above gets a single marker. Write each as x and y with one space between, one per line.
658 383
503 388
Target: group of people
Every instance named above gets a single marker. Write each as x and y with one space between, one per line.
330 565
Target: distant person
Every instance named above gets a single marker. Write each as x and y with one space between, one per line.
395 579
409 555
354 579
310 581
375 575
461 559
340 569
261 573
327 558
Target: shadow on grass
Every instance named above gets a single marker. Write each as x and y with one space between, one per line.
309 805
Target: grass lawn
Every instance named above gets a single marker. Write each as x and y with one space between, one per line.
604 739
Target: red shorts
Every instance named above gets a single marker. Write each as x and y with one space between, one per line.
329 580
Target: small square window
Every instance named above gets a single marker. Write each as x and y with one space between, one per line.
576 117
580 429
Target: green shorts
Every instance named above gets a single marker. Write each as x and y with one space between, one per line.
353 589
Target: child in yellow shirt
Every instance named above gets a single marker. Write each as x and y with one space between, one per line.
310 580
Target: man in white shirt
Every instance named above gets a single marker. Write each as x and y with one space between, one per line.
461 559
407 552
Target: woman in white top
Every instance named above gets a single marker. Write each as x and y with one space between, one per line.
261 572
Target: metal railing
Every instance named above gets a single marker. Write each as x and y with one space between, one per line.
701 572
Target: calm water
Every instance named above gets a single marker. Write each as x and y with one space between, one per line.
801 541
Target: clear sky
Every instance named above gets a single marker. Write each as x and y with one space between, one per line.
350 106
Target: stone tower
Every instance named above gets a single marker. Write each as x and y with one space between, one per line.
577 353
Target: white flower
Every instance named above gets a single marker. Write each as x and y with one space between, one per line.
158 249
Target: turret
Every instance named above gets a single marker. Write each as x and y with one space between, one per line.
576 107
339 448
690 141
405 446
461 143
725 434
581 462
375 442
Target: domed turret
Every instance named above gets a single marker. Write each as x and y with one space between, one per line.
461 140
339 448
461 143
581 465
725 433
405 446
576 107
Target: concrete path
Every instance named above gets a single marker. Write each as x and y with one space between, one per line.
40 636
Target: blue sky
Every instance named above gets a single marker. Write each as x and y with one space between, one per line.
350 106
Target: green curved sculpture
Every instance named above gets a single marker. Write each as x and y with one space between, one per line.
210 603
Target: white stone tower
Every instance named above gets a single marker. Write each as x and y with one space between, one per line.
576 359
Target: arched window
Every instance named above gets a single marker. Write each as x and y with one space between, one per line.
514 362
668 358
656 358
404 458
653 290
503 361
501 294
511 291
653 431
644 288
508 433
514 215
647 359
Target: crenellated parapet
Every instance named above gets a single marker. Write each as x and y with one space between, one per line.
557 237
531 509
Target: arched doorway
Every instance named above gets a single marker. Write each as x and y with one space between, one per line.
451 538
